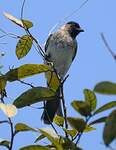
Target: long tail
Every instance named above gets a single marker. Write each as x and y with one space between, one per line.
51 108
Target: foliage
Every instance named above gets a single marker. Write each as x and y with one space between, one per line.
72 127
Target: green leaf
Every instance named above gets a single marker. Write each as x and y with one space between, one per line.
26 70
71 132
34 95
52 139
77 123
109 133
21 127
58 120
5 143
106 87
105 107
2 83
100 120
35 147
88 128
69 145
39 138
82 107
27 24
90 97
23 46
52 79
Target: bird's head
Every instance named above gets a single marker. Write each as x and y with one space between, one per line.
73 28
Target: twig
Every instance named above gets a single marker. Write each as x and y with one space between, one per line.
64 109
50 121
23 82
22 9
68 16
108 47
4 121
12 134
81 133
41 51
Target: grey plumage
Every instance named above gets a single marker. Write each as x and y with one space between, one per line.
61 49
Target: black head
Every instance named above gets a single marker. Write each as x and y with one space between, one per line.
74 28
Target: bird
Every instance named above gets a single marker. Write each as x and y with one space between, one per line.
60 49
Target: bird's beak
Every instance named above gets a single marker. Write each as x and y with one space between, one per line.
81 30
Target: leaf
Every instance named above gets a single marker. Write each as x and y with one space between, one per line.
21 127
35 147
22 23
82 107
34 95
77 123
27 24
26 70
51 138
69 145
5 143
2 83
58 120
39 138
23 46
88 128
106 87
71 132
90 97
100 120
109 133
105 107
8 109
52 80
13 19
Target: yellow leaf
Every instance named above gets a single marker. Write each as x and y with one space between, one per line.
52 80
23 46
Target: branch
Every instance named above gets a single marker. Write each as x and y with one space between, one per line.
64 109
22 9
108 47
12 134
23 82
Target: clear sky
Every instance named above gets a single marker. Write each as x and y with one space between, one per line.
92 64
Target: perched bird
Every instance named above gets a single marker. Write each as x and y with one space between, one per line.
61 49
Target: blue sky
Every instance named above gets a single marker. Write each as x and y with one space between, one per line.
92 64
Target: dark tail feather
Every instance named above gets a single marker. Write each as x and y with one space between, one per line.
50 110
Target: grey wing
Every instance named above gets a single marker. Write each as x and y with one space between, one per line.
75 51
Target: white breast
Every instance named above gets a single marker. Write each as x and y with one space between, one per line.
61 50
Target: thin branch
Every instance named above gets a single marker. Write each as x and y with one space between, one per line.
68 16
41 51
81 133
22 9
76 10
64 109
107 46
4 121
23 82
12 134
50 121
